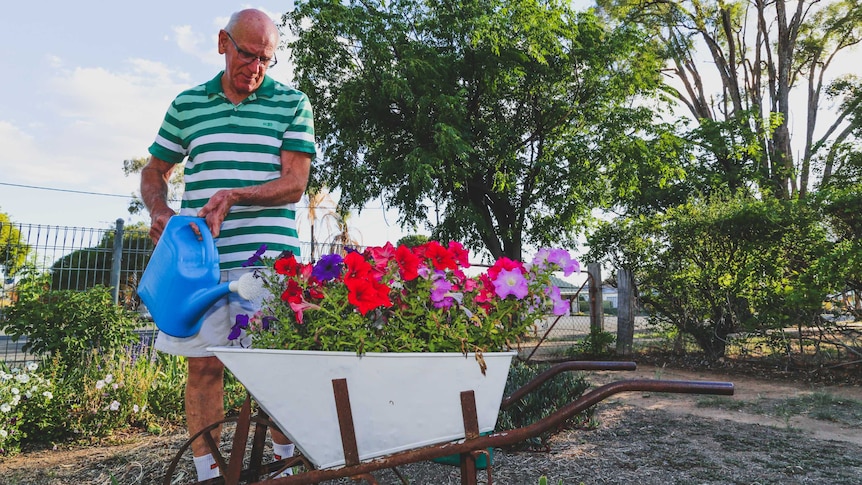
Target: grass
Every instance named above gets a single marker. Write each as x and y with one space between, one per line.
821 406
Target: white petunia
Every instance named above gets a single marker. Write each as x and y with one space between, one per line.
115 406
32 366
5 407
48 394
100 384
109 378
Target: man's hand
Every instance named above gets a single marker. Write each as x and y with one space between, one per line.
216 209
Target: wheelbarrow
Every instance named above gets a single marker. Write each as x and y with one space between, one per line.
242 466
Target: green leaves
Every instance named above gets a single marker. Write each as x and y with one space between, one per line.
479 108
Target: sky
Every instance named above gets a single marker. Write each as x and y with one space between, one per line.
86 86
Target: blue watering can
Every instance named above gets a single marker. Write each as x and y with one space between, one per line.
181 281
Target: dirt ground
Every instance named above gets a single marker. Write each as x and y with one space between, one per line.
753 437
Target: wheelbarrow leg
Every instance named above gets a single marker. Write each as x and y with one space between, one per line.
471 432
234 468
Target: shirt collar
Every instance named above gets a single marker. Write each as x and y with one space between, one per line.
266 88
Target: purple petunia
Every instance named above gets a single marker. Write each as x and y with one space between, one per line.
328 268
440 286
511 282
256 257
240 325
561 306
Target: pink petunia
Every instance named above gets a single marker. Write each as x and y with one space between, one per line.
511 282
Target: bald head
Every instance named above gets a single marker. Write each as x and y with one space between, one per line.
252 20
248 41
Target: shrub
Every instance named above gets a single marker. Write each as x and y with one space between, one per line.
25 404
67 323
555 393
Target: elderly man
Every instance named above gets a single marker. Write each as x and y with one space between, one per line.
249 142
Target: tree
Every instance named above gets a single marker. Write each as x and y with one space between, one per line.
724 264
13 249
499 115
133 166
86 268
763 54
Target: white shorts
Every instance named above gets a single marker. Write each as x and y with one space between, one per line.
217 324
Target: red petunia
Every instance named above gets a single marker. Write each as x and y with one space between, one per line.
459 254
292 293
357 266
439 256
287 266
408 263
507 264
366 294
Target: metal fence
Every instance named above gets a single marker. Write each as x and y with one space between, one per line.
78 258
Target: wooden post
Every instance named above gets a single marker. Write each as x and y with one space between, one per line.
117 262
625 312
597 316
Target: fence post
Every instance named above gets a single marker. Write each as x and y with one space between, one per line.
597 311
117 262
625 312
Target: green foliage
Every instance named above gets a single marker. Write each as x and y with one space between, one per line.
554 394
25 398
111 393
13 251
67 324
479 108
596 344
84 268
165 398
722 265
389 299
413 240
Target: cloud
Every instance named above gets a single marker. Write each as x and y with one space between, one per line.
200 46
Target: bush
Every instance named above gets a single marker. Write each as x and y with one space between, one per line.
555 393
67 323
26 403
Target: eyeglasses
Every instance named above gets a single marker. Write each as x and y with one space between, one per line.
248 57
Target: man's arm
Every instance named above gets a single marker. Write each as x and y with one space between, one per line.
154 192
288 188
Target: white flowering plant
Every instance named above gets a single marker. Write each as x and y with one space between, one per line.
403 299
23 391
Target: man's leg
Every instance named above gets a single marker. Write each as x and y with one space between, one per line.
204 399
282 448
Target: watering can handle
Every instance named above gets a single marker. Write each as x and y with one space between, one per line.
206 238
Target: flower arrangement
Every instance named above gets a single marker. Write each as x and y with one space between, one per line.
388 299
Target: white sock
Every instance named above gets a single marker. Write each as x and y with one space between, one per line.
282 452
206 467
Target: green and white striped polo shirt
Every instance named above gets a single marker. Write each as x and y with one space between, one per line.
230 146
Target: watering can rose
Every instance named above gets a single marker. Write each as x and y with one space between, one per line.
388 299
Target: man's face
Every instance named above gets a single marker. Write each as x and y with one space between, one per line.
247 57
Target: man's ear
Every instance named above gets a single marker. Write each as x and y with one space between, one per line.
222 41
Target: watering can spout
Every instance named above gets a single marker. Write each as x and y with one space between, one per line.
181 280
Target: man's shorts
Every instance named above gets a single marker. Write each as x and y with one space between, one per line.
217 323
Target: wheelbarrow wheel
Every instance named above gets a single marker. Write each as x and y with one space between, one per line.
182 470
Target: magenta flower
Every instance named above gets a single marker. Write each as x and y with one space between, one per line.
559 257
560 306
511 282
440 288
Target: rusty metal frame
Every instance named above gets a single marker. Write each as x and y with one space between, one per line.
469 449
